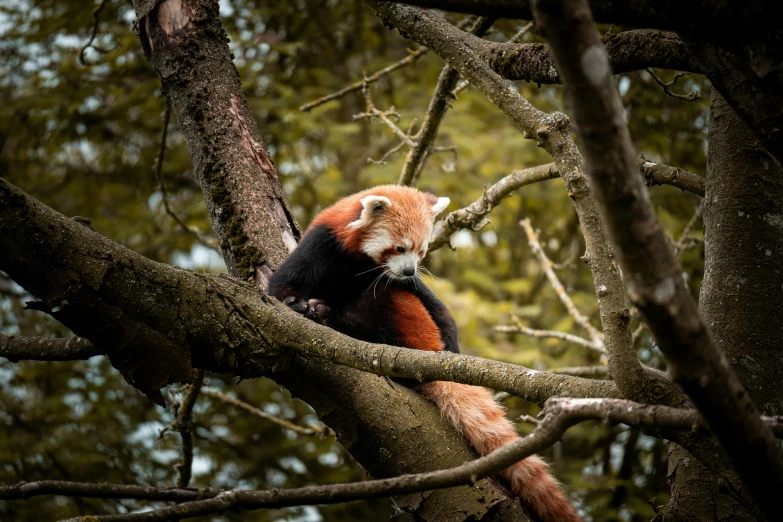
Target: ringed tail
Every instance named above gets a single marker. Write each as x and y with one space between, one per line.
476 414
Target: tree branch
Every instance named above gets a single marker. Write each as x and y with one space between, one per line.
439 103
15 348
173 316
242 405
473 217
660 174
183 424
628 51
557 416
357 86
535 245
248 209
654 279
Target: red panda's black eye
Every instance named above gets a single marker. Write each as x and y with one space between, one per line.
401 249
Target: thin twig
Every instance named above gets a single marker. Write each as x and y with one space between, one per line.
384 116
522 32
683 242
554 281
311 430
413 55
439 104
164 193
691 96
95 15
518 327
184 425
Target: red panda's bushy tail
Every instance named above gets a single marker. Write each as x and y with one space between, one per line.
475 413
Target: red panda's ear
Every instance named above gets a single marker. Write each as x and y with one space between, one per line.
372 206
439 205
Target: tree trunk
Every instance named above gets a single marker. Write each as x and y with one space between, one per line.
741 296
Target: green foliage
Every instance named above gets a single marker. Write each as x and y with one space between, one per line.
84 139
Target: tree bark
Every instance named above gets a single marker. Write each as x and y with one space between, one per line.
651 273
741 294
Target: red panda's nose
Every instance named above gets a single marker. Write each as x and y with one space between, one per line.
409 271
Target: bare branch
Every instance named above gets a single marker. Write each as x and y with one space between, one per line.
546 265
660 174
311 430
183 424
385 117
683 243
413 55
96 12
473 216
439 103
16 348
653 276
563 336
691 96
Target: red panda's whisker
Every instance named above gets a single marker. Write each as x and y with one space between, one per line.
424 270
370 270
378 280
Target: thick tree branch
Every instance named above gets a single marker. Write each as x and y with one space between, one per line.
16 348
653 277
221 324
719 21
660 174
558 415
758 102
628 51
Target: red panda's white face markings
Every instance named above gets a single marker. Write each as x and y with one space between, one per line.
395 224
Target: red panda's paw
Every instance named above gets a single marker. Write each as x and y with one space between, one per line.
313 309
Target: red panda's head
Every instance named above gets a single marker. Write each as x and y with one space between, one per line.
391 224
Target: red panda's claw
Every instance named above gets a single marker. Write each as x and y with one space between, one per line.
317 310
313 309
297 304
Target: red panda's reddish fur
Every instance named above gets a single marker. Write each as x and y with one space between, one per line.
474 412
420 330
471 409
411 214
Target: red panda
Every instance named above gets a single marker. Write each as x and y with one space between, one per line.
355 270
